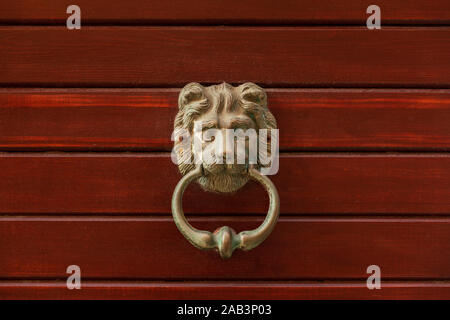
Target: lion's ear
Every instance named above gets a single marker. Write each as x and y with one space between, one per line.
190 93
253 93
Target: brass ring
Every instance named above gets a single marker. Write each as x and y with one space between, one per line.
225 239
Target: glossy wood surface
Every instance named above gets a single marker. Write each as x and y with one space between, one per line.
85 124
36 183
269 56
226 12
142 119
152 248
219 290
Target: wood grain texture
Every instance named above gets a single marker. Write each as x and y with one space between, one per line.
439 290
269 56
224 12
152 248
37 183
142 119
109 213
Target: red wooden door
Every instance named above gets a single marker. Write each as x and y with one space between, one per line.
86 178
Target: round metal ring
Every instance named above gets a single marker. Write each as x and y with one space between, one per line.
225 239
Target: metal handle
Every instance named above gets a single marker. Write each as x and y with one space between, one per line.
225 238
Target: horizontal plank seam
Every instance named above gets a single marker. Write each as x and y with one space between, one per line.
274 85
361 283
215 215
168 218
289 150
406 23
158 154
248 27
177 89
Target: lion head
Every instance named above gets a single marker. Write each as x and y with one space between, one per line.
220 107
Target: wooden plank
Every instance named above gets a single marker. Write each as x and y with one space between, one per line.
223 291
143 183
142 119
269 56
224 12
152 248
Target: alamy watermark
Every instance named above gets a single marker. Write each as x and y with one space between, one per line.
374 20
74 280
74 20
227 146
374 280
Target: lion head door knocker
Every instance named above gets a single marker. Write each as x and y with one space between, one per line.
223 137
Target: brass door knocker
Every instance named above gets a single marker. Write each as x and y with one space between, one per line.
217 130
